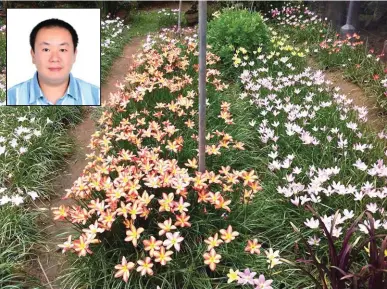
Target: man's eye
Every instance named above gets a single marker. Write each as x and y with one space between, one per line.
46 49
63 50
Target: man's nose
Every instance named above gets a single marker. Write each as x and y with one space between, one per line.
54 56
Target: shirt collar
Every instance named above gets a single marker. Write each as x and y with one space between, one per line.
36 91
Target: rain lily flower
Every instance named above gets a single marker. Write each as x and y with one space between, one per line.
173 240
133 234
253 247
145 266
246 277
162 256
152 245
211 259
228 235
262 283
272 257
213 242
232 276
123 269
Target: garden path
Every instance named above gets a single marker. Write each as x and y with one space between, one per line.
49 261
377 117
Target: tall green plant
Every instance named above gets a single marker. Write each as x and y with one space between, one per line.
234 29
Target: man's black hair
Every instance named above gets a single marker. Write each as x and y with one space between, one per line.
50 23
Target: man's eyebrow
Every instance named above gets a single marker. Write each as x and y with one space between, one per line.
47 43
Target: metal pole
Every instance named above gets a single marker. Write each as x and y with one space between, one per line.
350 12
179 21
202 84
348 28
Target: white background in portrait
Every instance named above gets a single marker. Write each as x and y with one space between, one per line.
20 23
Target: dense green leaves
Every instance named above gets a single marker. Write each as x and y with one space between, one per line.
234 29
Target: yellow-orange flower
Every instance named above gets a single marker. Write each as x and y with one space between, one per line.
213 242
133 234
228 235
162 256
253 247
211 259
123 269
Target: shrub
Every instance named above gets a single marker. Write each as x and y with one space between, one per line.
234 29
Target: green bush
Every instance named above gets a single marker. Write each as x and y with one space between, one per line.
234 29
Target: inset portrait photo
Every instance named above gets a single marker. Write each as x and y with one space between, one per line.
53 57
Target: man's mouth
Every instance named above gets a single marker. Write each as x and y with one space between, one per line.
54 68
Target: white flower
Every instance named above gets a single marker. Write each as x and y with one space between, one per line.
314 241
364 229
2 150
312 223
348 214
22 150
373 207
33 195
336 232
13 143
4 200
37 132
360 165
48 121
17 200
273 155
22 118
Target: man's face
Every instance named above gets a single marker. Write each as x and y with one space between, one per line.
54 54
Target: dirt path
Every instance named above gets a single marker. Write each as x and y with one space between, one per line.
49 261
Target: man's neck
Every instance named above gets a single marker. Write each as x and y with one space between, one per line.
53 92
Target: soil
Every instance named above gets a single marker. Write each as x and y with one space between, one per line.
377 118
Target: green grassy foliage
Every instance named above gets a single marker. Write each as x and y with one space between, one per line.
234 29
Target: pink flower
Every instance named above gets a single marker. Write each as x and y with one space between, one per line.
262 283
246 277
173 240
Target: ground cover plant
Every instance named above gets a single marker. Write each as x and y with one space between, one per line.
33 143
314 128
114 35
359 63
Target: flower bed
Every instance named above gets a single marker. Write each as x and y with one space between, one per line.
350 55
322 158
114 35
144 209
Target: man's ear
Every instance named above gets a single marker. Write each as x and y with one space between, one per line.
75 54
33 56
